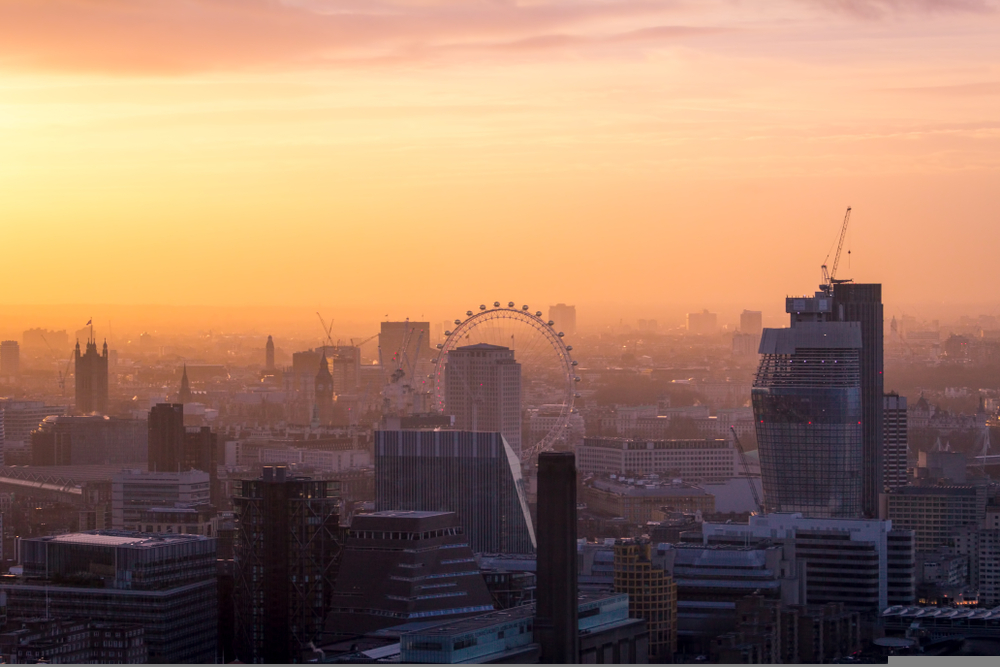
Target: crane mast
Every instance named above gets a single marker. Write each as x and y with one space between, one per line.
746 471
830 277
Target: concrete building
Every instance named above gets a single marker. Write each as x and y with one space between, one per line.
556 621
133 492
483 391
20 418
642 500
751 322
895 448
166 584
933 512
404 343
79 642
703 323
564 318
475 475
700 460
89 440
284 557
10 360
652 595
91 371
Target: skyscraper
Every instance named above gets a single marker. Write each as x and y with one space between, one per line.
91 369
564 317
751 322
483 391
862 303
807 406
10 360
895 448
269 354
284 559
166 437
324 391
404 342
475 475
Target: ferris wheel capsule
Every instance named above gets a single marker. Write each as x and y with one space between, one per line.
560 334
496 304
576 378
524 307
457 322
469 313
538 313
569 348
576 363
550 323
446 333
510 304
482 306
440 345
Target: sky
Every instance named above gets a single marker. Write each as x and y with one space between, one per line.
420 157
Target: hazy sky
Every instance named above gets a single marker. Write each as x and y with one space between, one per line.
372 154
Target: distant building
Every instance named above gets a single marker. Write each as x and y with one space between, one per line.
164 583
269 354
703 323
751 322
166 437
703 460
46 340
895 448
91 372
284 558
564 318
324 391
483 391
652 595
10 360
59 641
88 440
20 419
404 343
184 395
135 492
401 567
475 475
933 512
640 502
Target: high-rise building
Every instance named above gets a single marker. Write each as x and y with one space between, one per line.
862 303
165 583
475 475
166 437
269 354
324 391
88 440
652 595
483 391
284 562
564 318
703 323
751 322
807 405
405 567
894 449
346 369
91 369
404 342
10 360
556 622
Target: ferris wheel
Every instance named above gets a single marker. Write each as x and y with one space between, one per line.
547 370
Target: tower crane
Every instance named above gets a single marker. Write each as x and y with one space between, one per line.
746 471
366 340
830 278
327 330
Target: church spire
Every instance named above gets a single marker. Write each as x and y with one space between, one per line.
185 393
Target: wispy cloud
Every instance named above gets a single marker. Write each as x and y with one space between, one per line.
882 8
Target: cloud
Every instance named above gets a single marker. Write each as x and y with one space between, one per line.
882 8
176 36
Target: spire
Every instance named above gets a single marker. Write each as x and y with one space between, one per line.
184 396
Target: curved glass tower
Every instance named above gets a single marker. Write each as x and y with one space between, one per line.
807 407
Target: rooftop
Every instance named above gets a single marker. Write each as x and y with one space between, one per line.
119 538
482 346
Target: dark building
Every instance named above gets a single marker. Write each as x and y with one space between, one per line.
184 395
166 437
895 447
556 619
475 475
284 564
399 567
862 303
59 641
807 408
201 452
91 370
164 583
324 391
88 440
269 354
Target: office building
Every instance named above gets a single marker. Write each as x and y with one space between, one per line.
269 354
284 563
862 303
895 447
652 595
91 370
404 343
695 460
323 391
483 391
88 440
556 622
10 361
563 318
166 437
166 584
79 642
20 418
807 404
45 339
134 492
751 322
703 323
934 512
402 567
642 500
475 475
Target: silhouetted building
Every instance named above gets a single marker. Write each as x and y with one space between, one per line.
401 567
563 318
556 619
475 475
404 343
751 322
807 406
80 642
894 449
20 418
269 354
45 339
134 492
88 440
166 437
346 369
284 562
184 395
324 391
703 323
483 391
91 369
10 360
164 583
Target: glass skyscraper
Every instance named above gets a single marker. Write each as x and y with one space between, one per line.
808 411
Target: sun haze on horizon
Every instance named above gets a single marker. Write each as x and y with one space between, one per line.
359 153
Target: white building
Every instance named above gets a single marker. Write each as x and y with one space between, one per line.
704 460
331 461
483 391
133 491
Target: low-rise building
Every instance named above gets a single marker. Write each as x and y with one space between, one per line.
641 501
703 460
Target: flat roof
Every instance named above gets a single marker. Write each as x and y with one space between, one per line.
119 539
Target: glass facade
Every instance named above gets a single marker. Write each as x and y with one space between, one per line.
807 406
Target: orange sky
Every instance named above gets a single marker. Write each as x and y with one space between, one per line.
375 154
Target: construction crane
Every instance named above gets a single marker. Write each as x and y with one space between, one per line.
62 374
366 340
830 278
746 471
327 330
